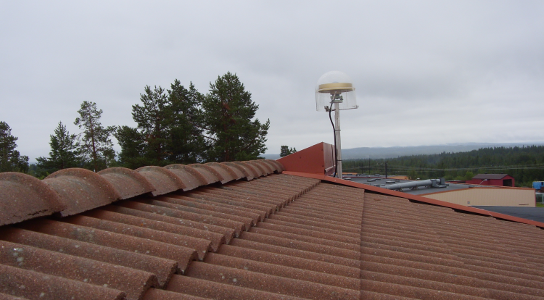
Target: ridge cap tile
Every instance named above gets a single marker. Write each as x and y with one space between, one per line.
245 171
226 173
81 190
24 197
190 177
163 180
128 183
210 174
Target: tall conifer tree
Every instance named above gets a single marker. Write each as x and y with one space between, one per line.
10 159
228 117
63 154
95 142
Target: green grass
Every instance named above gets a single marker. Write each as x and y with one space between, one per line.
538 204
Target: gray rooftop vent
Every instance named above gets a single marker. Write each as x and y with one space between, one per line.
434 183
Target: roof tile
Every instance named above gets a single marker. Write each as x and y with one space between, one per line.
162 268
163 180
219 291
268 283
133 282
209 173
182 255
239 169
248 168
307 239
164 223
81 190
24 197
35 285
190 177
128 183
131 226
166 214
226 172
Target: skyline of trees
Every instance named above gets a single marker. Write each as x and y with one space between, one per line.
175 125
64 152
10 159
525 164
94 141
229 128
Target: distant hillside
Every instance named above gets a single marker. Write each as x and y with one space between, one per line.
393 152
525 163
271 156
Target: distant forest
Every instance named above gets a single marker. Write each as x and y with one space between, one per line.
525 164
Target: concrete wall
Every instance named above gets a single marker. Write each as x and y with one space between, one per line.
482 196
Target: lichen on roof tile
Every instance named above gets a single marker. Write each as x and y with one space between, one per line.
81 190
163 180
225 171
239 169
133 282
248 168
257 167
279 167
209 173
267 168
238 172
36 285
128 183
24 197
190 177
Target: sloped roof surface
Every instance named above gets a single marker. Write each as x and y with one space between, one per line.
247 231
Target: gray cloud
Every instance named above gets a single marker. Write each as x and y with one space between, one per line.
426 72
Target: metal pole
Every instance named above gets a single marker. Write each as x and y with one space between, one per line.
337 138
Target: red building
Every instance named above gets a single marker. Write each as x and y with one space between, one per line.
492 179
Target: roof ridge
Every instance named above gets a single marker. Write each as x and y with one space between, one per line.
74 190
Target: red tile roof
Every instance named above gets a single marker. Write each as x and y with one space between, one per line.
247 230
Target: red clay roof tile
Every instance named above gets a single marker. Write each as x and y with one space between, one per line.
162 268
163 180
133 282
209 173
81 190
226 172
35 285
248 168
239 169
175 217
307 239
127 183
25 197
189 176
182 255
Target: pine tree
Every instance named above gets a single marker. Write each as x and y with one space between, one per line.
151 118
285 150
185 143
95 143
228 117
10 159
169 128
132 145
63 154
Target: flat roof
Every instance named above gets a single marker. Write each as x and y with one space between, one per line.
384 182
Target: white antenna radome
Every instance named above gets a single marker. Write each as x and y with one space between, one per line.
335 92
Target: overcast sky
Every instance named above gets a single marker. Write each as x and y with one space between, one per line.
425 72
